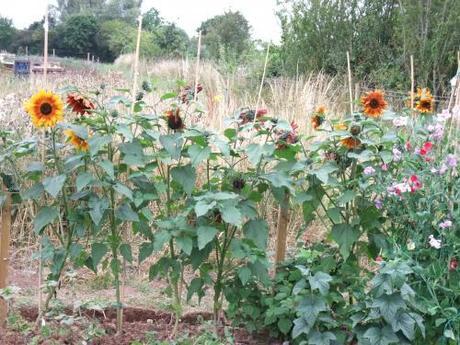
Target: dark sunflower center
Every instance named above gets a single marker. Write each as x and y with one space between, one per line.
46 108
374 103
426 104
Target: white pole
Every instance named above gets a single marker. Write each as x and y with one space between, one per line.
197 68
45 46
136 61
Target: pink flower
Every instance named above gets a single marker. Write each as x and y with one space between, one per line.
426 148
443 116
451 161
453 264
434 243
445 224
397 155
384 167
400 121
378 204
369 171
414 183
408 146
436 131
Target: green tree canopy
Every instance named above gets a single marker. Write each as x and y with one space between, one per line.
7 32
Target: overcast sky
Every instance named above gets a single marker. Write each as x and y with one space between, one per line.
188 14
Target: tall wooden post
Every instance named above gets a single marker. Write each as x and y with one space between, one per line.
136 62
349 83
4 254
197 68
45 47
282 230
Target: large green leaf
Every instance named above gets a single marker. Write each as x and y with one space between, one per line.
205 235
321 338
257 231
405 323
185 243
301 326
97 207
345 235
381 336
323 173
96 143
123 190
185 176
126 252
83 179
198 154
311 306
98 250
320 281
389 305
53 185
133 154
108 168
126 213
172 143
44 217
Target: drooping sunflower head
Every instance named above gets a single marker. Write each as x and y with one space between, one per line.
174 119
321 110
45 109
351 142
316 121
78 142
79 104
340 126
374 103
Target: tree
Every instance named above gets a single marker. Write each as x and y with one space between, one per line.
126 10
172 40
78 36
68 8
225 37
7 32
152 20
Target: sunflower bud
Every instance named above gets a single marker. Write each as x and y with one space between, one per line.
139 96
238 183
146 86
355 129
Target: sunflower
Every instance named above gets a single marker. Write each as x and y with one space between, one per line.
79 104
318 116
45 108
374 103
350 142
174 120
79 143
424 104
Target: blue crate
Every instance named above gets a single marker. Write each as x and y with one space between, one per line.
21 67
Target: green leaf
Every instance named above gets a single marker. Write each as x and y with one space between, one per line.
255 152
145 250
98 250
126 213
185 243
389 305
108 168
311 306
96 143
123 190
124 130
168 95
172 143
97 207
33 167
284 325
185 176
53 185
320 281
257 231
125 251
198 154
133 154
301 326
346 197
345 236
405 323
231 215
381 336
205 235
44 217
83 179
321 338
230 133
34 192
244 273
323 173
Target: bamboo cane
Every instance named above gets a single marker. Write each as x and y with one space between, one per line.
412 85
4 254
45 46
281 230
349 83
259 95
136 62
197 67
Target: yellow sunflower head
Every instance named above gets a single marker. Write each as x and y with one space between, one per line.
45 108
374 103
351 142
79 143
340 126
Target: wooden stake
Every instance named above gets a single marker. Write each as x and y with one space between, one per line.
281 230
27 50
349 83
45 46
4 254
197 67
54 52
412 84
259 95
136 62
88 55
